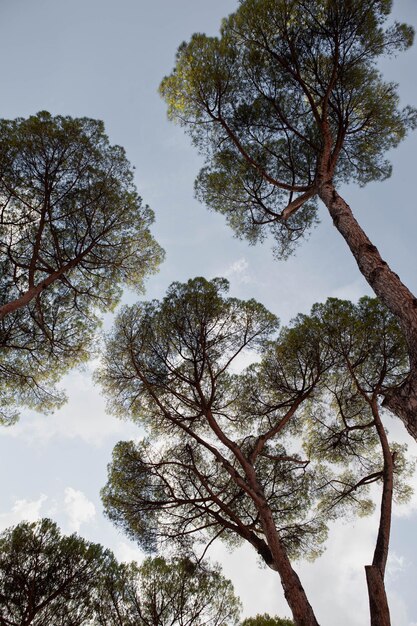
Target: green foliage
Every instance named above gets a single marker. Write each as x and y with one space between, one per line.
287 97
266 620
46 578
340 431
166 592
295 434
192 335
72 230
167 365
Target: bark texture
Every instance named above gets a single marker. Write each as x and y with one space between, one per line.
391 291
295 595
375 573
276 555
377 598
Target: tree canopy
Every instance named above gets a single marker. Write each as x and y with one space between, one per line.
288 94
285 105
72 231
163 592
266 456
266 620
47 579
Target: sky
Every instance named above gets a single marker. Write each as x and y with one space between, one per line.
105 59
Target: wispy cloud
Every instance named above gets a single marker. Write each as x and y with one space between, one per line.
238 271
351 291
396 564
127 552
75 505
84 417
23 510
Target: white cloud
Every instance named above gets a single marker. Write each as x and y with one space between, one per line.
395 565
127 552
83 417
23 510
243 360
238 271
78 508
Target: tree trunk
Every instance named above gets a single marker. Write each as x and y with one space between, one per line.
390 290
295 595
384 529
378 604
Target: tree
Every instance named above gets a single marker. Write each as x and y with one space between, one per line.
46 578
343 432
287 104
164 593
370 357
72 230
246 456
266 620
167 364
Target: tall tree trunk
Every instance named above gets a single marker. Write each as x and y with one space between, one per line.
295 595
391 291
378 603
293 590
269 546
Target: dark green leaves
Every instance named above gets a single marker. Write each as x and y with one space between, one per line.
47 578
288 97
173 355
297 426
267 620
72 231
166 592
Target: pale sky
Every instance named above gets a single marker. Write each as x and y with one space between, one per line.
105 59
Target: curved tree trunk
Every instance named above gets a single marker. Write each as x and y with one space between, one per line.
390 290
270 546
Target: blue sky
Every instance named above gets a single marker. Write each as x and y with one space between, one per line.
104 59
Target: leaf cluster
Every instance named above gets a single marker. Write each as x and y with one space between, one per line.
287 97
72 230
48 579
166 592
223 448
267 620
